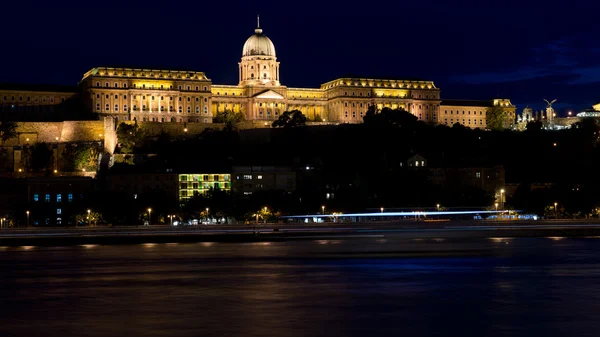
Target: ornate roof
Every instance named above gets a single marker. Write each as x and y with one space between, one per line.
258 44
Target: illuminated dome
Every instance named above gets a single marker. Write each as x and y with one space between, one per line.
258 45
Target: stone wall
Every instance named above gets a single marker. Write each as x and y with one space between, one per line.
57 132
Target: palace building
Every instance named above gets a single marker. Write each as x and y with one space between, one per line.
171 96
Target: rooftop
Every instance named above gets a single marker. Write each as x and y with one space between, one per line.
464 102
38 87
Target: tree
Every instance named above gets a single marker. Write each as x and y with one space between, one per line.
130 137
290 119
229 118
41 157
8 130
87 218
496 118
533 126
4 160
78 157
389 118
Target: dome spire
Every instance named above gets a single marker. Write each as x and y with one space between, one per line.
258 30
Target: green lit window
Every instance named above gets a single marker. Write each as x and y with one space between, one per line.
183 177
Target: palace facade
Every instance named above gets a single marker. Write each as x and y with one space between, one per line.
171 96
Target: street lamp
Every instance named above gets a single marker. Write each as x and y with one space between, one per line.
206 214
437 207
496 204
555 211
501 199
323 209
149 216
381 209
88 217
171 217
27 212
265 212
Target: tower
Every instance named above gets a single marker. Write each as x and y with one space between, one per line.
259 64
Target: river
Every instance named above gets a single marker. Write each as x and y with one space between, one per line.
372 286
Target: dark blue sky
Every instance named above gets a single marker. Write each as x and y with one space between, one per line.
524 50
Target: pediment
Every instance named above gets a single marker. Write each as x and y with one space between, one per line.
269 94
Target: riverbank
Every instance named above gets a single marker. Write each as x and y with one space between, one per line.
455 230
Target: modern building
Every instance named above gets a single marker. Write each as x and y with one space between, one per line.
248 180
171 96
191 184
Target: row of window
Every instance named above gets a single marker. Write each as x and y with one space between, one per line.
369 95
463 112
204 185
162 98
152 86
249 177
36 197
173 120
468 122
204 177
28 99
145 108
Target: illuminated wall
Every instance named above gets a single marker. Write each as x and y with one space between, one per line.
199 183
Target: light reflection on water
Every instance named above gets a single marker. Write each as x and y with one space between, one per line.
350 287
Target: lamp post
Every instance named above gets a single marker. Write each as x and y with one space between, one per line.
171 217
323 209
496 204
381 209
88 218
502 199
555 210
27 212
207 214
265 212
149 216
437 207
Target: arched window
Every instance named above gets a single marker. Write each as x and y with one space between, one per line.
189 109
134 107
265 75
252 75
116 85
172 119
180 109
205 120
197 109
97 106
162 108
205 110
188 87
107 107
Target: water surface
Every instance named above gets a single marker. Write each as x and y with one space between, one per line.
343 287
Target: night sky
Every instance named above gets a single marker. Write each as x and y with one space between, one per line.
523 50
